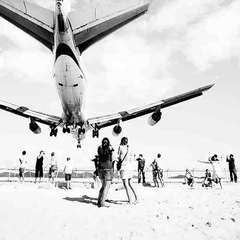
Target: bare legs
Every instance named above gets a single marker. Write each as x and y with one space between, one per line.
129 188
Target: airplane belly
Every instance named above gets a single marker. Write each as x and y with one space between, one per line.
71 85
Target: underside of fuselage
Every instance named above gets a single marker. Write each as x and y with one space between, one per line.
69 77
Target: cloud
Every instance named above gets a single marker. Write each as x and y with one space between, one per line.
205 31
214 39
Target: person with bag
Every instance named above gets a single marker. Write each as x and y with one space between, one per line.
105 170
125 169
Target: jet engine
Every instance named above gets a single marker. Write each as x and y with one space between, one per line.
154 117
34 127
117 129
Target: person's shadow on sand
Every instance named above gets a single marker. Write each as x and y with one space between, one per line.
91 200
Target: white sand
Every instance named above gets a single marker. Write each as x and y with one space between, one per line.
173 212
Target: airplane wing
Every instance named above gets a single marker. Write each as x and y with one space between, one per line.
102 18
31 18
108 120
28 113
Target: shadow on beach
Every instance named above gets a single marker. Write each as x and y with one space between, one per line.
91 200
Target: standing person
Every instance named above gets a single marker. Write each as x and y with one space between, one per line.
105 169
95 173
141 166
160 170
155 170
52 167
68 172
39 166
125 170
232 168
22 166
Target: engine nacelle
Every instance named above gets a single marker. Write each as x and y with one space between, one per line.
154 118
34 127
117 130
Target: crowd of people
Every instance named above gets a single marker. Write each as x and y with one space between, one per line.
109 162
52 168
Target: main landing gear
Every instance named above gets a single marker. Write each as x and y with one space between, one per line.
66 129
95 133
53 131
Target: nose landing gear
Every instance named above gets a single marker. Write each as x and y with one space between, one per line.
53 131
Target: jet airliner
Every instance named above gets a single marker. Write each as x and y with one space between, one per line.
68 35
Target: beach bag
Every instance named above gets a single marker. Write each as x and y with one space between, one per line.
119 163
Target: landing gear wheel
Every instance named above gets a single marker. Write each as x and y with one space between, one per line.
81 131
78 145
95 133
66 130
53 132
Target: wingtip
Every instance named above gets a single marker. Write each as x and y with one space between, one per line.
208 87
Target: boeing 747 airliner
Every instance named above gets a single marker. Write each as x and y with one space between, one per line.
67 36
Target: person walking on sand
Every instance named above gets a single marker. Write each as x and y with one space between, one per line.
52 168
141 166
105 170
125 170
68 168
39 166
22 166
155 170
232 168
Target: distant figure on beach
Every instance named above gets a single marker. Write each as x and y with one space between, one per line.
39 166
188 178
207 181
105 169
52 168
125 170
68 168
232 168
217 171
141 171
22 166
95 173
160 170
155 170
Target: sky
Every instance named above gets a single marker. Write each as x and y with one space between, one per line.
176 47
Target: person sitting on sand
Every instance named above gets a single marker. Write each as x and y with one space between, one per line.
155 171
207 182
189 179
68 172
105 170
125 170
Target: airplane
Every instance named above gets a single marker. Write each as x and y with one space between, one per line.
68 35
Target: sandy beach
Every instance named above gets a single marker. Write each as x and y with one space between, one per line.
40 211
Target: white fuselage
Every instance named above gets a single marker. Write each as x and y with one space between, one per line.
68 74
